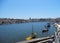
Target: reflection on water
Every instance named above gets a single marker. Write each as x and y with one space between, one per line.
18 32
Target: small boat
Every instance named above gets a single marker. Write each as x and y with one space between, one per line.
48 25
32 36
46 28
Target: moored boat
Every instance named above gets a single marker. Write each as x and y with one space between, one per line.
46 27
32 36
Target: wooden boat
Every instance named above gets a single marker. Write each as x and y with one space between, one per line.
45 30
46 27
32 36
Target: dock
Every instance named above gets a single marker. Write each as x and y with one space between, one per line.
40 40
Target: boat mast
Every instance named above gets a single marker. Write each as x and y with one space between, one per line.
32 29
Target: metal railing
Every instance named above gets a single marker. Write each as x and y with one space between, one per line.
41 40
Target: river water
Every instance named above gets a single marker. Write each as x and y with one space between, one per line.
12 33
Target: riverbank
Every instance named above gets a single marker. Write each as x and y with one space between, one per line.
12 21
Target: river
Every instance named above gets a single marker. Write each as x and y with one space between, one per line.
12 33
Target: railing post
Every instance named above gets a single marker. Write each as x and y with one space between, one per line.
56 37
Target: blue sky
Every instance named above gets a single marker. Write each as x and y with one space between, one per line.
29 8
